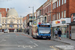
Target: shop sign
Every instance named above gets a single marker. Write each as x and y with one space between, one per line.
35 22
63 21
57 22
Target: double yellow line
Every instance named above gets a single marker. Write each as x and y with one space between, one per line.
54 48
1 34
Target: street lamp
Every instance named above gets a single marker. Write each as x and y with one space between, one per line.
33 12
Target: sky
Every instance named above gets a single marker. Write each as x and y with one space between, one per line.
22 6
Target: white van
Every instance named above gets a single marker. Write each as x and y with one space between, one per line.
6 31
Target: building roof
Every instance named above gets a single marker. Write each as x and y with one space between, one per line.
12 12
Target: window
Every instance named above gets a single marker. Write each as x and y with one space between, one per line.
54 5
59 15
64 13
59 2
62 2
3 21
54 17
17 26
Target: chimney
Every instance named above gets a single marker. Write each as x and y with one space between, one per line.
7 9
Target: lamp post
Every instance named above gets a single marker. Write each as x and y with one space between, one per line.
33 13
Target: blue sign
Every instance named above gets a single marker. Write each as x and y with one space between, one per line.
11 26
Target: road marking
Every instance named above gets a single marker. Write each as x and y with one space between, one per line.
31 41
1 34
18 45
30 46
2 40
17 34
54 48
29 36
35 44
23 46
65 47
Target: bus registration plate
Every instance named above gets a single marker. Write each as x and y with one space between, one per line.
44 37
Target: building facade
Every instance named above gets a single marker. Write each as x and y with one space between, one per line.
62 9
24 22
12 22
30 19
3 12
43 12
57 13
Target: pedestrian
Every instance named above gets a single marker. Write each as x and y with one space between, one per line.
56 33
59 34
70 34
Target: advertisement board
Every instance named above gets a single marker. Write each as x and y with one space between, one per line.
61 22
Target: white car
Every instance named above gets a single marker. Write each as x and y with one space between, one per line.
6 31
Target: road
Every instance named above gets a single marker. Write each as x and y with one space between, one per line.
21 41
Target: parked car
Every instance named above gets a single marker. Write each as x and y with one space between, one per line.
6 31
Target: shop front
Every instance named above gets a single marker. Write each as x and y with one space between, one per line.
72 24
11 30
63 25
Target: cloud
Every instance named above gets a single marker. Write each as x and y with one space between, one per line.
22 6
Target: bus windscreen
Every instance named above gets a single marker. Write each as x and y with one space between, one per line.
44 25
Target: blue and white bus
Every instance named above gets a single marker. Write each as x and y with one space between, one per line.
41 31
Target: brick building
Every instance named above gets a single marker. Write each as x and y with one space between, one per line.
58 13
61 14
27 20
24 22
39 12
3 12
43 12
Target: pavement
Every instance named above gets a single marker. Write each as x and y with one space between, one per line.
22 41
66 40
70 43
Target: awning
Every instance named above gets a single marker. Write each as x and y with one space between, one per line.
72 23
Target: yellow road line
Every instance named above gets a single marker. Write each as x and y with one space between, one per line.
54 48
0 34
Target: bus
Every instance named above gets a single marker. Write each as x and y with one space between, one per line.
41 31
